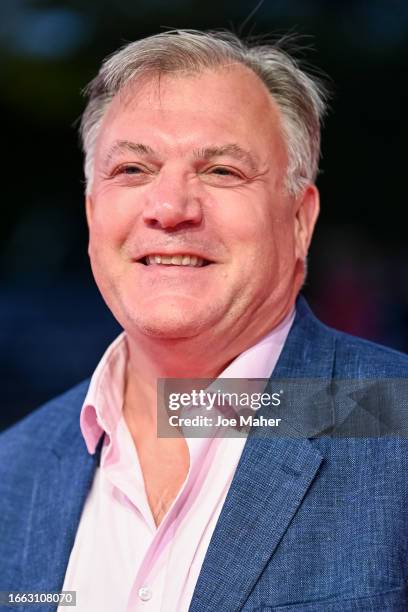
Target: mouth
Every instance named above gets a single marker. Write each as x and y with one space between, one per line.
179 259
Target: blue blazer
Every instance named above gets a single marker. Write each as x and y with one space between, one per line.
316 524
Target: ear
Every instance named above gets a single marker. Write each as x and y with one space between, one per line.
89 212
88 209
307 211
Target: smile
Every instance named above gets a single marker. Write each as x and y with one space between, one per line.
174 260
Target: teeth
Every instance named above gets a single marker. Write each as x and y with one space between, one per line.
175 260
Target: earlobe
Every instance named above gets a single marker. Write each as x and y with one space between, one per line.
306 216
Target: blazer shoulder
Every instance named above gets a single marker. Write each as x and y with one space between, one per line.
315 350
42 428
360 358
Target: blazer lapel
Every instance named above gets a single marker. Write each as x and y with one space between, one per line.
270 483
271 479
57 498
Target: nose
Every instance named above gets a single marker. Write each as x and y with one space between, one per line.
172 202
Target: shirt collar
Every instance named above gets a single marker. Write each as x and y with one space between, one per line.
103 403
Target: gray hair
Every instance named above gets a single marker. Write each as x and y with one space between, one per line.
300 97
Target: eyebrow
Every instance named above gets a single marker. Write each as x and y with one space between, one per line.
207 153
232 150
127 146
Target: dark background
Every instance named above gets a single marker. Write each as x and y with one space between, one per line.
54 325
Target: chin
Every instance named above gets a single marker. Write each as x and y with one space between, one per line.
165 326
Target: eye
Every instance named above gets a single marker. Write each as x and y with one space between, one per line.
131 174
130 170
224 171
223 176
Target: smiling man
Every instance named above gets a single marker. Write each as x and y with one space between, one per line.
201 154
196 172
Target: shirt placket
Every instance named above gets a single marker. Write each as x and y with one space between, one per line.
147 593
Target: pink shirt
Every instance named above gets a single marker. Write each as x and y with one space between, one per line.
120 561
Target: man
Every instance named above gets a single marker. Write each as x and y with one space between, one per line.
200 159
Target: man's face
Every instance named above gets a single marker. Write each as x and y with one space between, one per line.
189 167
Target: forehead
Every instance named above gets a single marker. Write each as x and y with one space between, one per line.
229 103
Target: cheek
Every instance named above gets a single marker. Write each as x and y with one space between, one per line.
112 220
259 228
238 219
254 210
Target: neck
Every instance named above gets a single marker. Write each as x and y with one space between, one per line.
151 359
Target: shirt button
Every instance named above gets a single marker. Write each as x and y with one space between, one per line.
145 594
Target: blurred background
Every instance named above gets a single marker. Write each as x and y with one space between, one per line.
54 326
